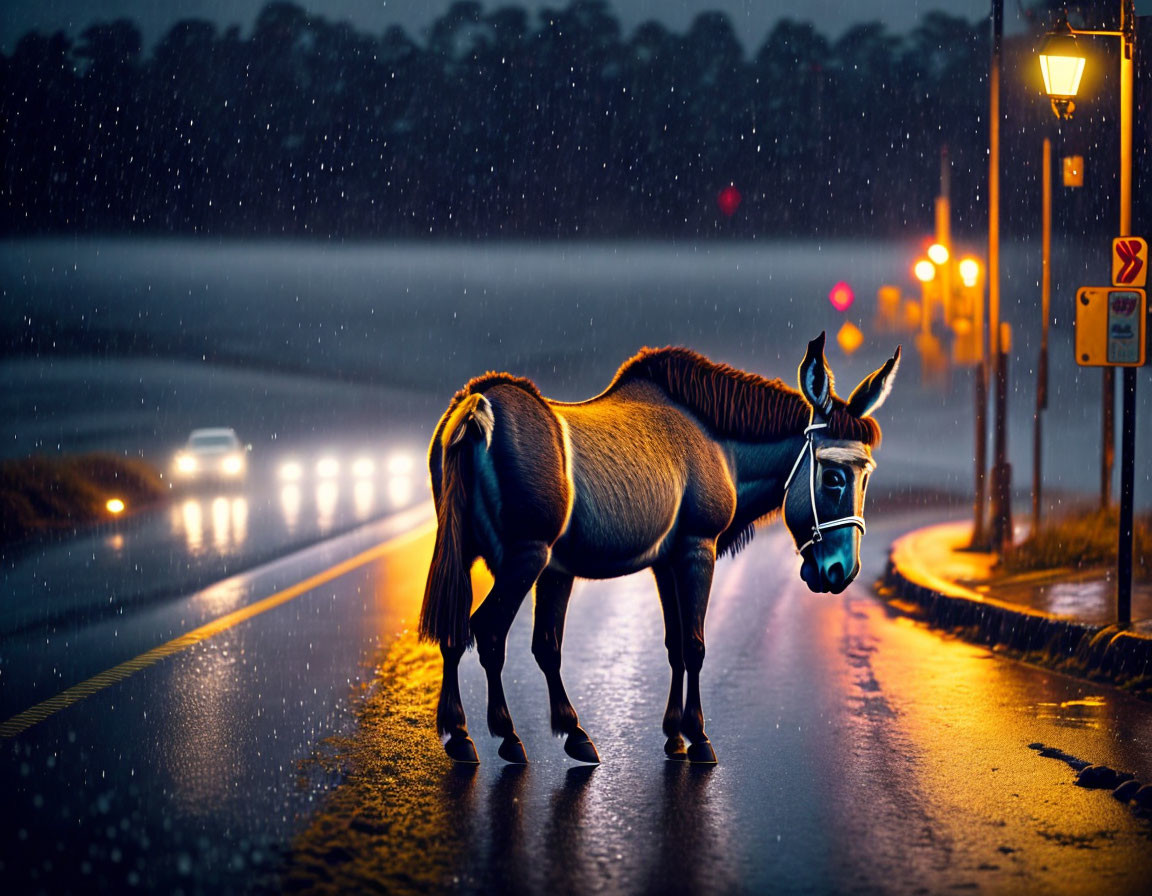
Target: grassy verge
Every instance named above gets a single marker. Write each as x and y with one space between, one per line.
41 494
1082 542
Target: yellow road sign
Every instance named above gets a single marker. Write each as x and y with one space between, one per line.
1129 261
1110 327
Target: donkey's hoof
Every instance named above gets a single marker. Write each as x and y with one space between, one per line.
460 748
512 750
580 747
674 749
701 753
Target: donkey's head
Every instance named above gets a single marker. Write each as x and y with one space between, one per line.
824 494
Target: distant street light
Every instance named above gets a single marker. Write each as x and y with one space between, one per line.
969 272
938 254
924 270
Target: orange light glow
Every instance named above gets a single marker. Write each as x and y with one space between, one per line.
924 270
969 271
938 253
849 337
115 506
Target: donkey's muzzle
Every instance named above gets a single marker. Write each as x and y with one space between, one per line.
824 580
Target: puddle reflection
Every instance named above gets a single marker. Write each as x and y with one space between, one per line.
204 757
1087 712
565 847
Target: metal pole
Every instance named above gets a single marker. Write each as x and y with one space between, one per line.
979 533
1045 314
1128 409
1107 435
1001 469
1001 527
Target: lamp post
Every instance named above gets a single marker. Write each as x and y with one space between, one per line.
1062 65
1000 522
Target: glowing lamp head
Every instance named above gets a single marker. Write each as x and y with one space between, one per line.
1061 64
841 296
969 272
938 254
924 270
114 506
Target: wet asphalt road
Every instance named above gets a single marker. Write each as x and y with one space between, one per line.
858 753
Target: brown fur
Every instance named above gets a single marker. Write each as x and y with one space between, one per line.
734 403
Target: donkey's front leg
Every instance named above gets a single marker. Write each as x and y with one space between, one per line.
522 564
674 642
693 568
552 592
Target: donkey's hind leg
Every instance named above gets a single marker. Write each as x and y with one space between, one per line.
693 568
666 586
450 710
552 592
522 564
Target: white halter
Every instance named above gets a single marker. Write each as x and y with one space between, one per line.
817 526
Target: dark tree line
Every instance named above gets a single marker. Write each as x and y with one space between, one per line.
502 124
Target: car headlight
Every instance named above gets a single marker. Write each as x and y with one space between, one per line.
291 471
363 467
327 467
186 463
232 464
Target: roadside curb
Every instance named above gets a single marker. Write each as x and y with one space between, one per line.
1121 657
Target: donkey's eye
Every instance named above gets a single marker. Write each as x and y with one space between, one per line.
833 478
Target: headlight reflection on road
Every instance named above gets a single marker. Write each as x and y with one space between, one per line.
221 528
193 519
327 497
363 497
400 490
228 518
290 506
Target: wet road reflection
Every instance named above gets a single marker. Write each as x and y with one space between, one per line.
858 753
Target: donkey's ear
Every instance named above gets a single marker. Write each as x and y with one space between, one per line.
816 379
870 394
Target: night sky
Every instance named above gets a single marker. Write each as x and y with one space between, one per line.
752 19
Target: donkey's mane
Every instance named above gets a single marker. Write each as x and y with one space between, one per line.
734 403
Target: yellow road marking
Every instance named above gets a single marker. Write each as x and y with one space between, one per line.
41 711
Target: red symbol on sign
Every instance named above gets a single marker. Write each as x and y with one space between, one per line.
1129 253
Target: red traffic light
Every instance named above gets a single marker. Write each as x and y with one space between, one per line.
729 200
841 296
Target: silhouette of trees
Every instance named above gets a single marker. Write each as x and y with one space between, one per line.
499 124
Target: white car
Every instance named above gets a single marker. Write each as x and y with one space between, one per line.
215 453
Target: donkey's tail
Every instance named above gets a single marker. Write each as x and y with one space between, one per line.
448 593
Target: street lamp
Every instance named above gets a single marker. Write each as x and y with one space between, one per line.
1062 66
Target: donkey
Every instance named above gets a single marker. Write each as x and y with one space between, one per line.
673 464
